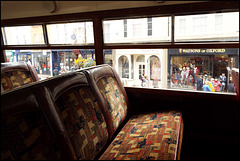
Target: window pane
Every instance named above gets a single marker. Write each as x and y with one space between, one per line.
71 33
49 63
173 68
23 35
207 27
140 30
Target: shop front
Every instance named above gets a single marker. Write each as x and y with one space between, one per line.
185 66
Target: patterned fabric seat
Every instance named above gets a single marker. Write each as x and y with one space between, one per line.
84 115
153 136
115 100
25 132
80 113
147 137
16 74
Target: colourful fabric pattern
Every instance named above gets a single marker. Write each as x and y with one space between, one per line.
116 102
10 80
27 137
84 122
146 137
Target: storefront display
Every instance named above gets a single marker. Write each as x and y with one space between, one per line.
189 64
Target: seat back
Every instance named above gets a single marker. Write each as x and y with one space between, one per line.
16 74
80 113
111 94
25 131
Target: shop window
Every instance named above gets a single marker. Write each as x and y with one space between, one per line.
154 68
48 63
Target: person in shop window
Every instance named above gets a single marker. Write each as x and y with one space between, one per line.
223 81
143 79
190 80
62 71
217 85
184 75
206 86
200 83
147 81
211 84
155 83
178 75
231 87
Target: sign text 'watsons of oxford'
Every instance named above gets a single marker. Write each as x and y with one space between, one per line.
201 50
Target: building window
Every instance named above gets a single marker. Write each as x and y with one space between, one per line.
200 24
36 38
125 27
137 29
149 24
106 32
218 23
182 26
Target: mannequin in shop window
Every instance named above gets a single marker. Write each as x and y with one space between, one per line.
156 69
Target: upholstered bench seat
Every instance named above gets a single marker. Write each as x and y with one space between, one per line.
84 115
151 136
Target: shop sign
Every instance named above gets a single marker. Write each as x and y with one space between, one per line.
202 51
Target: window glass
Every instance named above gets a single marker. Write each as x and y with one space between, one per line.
139 30
207 27
50 63
23 35
71 33
175 68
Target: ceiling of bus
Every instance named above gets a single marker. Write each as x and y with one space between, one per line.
23 9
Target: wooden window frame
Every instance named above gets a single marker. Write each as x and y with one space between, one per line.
98 16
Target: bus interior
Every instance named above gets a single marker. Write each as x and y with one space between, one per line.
167 55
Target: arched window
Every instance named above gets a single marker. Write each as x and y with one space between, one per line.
123 67
154 67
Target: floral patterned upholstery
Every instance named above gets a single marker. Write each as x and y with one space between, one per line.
26 136
115 100
84 122
13 79
151 136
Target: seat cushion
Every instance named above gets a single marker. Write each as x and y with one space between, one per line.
84 121
152 136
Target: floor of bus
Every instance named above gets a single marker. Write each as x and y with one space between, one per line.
209 146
